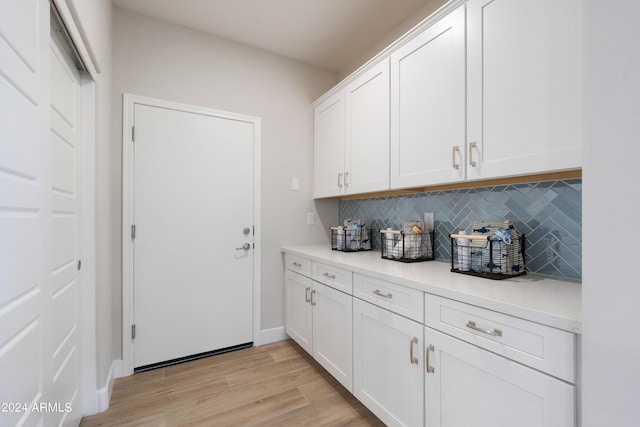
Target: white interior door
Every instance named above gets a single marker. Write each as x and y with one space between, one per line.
193 212
65 140
39 223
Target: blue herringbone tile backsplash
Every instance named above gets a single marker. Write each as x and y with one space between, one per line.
549 213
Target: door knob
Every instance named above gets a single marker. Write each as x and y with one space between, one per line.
244 247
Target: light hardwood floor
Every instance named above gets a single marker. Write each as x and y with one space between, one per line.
274 385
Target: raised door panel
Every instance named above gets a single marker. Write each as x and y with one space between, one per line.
525 86
388 364
367 131
471 386
332 332
428 106
328 147
298 313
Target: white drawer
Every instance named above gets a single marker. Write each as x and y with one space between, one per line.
399 299
542 347
297 264
335 277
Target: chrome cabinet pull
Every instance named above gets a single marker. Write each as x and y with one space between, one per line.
329 276
383 295
313 301
496 332
456 149
430 369
414 360
307 297
340 180
296 264
346 179
472 145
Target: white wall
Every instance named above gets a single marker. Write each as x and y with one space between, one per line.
406 25
611 207
94 21
165 61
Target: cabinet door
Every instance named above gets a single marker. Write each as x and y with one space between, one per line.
298 313
524 86
328 146
388 364
471 386
428 106
332 332
367 131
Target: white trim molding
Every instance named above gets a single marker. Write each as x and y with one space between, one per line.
129 102
268 336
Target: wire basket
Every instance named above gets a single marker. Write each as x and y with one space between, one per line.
407 247
485 256
351 239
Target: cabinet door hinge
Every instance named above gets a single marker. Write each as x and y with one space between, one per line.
133 331
133 133
133 232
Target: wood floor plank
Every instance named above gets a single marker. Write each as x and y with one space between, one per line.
277 384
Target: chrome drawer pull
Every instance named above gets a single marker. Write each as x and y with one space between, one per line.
296 264
330 276
430 369
383 295
307 297
414 360
496 332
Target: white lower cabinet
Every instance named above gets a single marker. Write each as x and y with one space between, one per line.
298 310
319 319
466 385
332 332
419 359
388 364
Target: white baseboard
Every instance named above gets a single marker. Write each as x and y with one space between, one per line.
268 336
104 394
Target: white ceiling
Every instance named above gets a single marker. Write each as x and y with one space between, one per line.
326 33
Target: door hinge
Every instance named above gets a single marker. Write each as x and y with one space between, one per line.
133 331
133 133
79 265
133 232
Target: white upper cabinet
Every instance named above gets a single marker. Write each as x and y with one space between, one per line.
367 131
328 149
351 136
428 106
524 87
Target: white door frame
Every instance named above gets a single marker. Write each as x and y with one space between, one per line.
128 104
87 250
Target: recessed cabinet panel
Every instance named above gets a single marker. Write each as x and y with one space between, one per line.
388 364
471 386
428 106
544 348
396 298
335 277
367 131
328 147
332 338
298 312
524 87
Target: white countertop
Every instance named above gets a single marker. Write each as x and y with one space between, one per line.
541 299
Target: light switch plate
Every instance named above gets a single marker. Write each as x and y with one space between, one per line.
311 218
295 184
